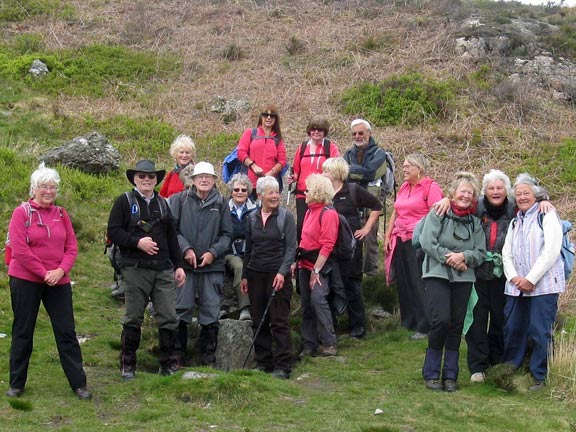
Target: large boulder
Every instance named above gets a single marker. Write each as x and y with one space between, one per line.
92 154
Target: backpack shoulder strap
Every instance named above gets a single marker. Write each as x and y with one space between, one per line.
541 220
281 220
353 193
303 149
134 209
326 148
254 135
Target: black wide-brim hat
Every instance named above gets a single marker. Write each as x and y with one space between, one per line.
145 166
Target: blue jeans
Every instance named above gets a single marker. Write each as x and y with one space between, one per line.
529 318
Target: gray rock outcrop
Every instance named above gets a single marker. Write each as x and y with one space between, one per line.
92 154
38 68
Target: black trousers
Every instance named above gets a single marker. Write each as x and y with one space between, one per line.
485 338
276 327
448 302
414 314
26 298
301 208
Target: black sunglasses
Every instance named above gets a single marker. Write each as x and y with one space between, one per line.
271 115
143 176
240 190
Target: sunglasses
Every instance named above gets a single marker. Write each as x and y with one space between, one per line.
240 190
143 176
358 133
317 130
268 115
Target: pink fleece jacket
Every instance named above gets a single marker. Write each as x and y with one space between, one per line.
47 244
264 152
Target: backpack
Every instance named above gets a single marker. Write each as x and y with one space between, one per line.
345 245
112 249
232 165
384 177
567 250
29 211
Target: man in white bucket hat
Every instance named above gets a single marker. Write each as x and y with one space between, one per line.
205 234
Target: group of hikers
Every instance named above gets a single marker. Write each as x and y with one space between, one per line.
497 245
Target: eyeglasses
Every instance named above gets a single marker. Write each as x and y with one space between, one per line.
361 133
149 176
48 187
317 130
240 190
203 177
268 115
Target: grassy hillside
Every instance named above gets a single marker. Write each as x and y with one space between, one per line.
142 72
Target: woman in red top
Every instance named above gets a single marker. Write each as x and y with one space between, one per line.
183 151
44 249
265 152
308 159
319 235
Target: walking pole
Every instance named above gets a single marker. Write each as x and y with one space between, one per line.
290 188
259 326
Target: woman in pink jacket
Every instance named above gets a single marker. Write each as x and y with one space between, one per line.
414 200
309 157
262 149
44 249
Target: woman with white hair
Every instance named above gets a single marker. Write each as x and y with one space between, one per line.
44 249
270 251
534 279
183 151
240 206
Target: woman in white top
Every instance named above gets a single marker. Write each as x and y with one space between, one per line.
534 279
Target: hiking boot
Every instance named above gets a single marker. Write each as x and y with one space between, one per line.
358 333
167 370
418 336
433 384
281 374
537 385
307 352
478 377
327 351
14 392
128 373
450 385
83 394
118 293
245 314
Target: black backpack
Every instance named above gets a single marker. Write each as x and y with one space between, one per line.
346 242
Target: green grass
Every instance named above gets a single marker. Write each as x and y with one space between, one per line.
94 70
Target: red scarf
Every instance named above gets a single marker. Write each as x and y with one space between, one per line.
461 212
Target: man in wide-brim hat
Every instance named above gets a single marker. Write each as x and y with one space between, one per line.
145 166
141 225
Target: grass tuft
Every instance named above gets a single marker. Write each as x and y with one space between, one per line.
502 376
20 404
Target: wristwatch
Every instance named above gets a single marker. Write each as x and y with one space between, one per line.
316 271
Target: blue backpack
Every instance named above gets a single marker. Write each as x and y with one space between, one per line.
567 251
232 165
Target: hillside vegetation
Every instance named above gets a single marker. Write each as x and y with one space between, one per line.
142 72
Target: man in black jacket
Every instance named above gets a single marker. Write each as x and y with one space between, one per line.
141 225
367 165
